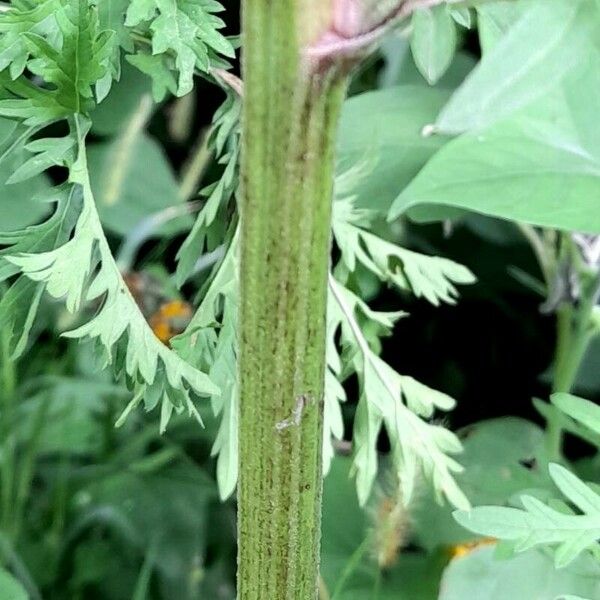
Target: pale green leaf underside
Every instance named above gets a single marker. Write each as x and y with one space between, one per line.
425 276
482 575
586 413
537 524
210 339
400 403
225 134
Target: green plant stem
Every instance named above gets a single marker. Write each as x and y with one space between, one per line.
27 466
573 337
142 586
61 494
289 123
195 167
565 366
353 562
377 584
9 374
7 396
544 253
573 327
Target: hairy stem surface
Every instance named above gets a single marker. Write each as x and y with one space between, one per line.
290 115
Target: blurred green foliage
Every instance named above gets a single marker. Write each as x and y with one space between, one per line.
508 130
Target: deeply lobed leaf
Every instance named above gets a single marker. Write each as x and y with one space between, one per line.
69 256
401 403
538 524
188 28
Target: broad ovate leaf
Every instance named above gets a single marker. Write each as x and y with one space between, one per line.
548 41
541 166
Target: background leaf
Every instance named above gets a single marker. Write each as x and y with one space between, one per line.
129 186
540 167
345 527
387 125
497 457
433 41
528 576
568 533
19 206
110 117
550 39
494 19
187 28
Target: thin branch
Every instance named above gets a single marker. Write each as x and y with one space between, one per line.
195 166
540 250
146 228
123 151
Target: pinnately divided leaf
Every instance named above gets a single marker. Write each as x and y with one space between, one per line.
203 347
71 60
17 21
19 304
187 28
73 51
538 524
402 404
225 137
184 36
69 256
83 270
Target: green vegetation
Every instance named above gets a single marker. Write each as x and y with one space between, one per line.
299 313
